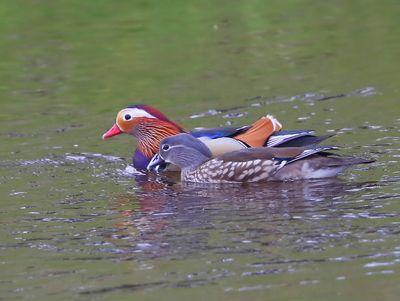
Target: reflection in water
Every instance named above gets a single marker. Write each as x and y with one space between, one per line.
250 230
167 214
149 201
191 235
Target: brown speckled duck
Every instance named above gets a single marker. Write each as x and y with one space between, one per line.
251 165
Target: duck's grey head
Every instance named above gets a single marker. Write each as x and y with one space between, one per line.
184 150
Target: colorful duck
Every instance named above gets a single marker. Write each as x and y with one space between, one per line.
253 164
149 126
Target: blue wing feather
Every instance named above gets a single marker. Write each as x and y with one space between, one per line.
219 132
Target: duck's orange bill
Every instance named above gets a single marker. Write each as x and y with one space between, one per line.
114 131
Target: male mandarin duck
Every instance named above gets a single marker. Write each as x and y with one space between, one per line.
253 164
150 126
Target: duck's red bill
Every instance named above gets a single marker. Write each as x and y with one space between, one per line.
114 131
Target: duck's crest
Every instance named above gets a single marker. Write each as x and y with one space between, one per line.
156 113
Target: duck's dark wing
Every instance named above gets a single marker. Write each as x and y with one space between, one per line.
273 153
277 156
297 138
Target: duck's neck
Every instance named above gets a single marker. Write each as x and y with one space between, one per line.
190 162
150 132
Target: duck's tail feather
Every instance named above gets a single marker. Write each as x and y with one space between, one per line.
336 161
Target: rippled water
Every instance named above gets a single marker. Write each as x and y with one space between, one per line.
77 223
83 224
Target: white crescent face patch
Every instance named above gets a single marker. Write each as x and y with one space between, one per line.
126 118
127 114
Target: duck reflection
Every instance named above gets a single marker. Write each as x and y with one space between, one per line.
162 215
148 198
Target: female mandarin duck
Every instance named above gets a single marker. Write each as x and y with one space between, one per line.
150 126
251 165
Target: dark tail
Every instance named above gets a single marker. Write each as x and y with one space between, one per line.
299 138
306 140
337 161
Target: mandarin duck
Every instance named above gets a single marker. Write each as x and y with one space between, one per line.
149 126
252 164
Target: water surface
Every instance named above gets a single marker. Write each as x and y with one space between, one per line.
76 224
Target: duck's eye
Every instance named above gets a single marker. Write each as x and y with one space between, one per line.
165 147
127 117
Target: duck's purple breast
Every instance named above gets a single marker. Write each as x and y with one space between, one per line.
140 161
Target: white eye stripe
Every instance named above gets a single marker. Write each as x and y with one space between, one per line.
135 112
165 151
170 147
